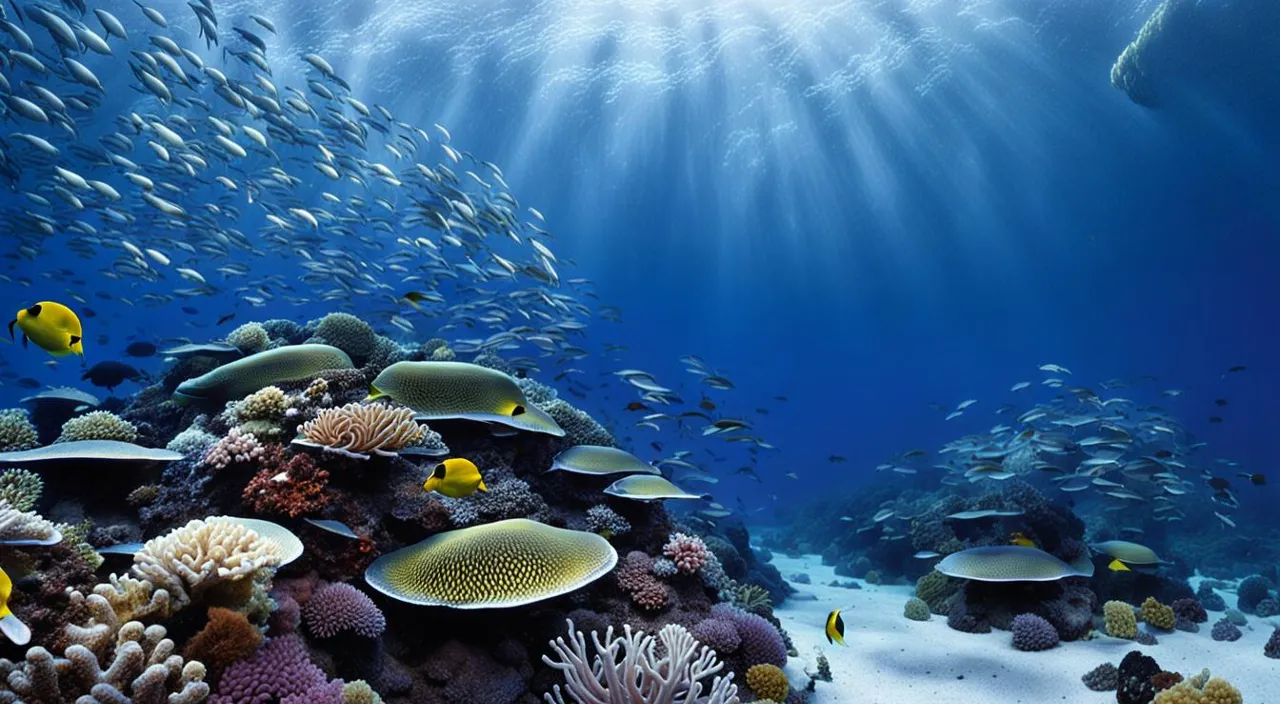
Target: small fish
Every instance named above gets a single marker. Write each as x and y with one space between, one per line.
926 555
1215 419
835 628
53 327
140 349
1225 520
1220 402
335 527
1236 369
836 459
1118 566
1019 538
1255 479
225 319
455 477
13 629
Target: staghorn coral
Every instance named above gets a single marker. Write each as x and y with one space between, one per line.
605 521
1158 615
296 488
267 403
98 425
20 488
17 431
640 676
341 608
238 447
358 429
688 552
250 338
768 682
346 332
201 556
916 609
1119 618
1031 633
226 639
1215 691
1103 678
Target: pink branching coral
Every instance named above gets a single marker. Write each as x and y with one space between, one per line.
236 447
635 576
688 552
341 608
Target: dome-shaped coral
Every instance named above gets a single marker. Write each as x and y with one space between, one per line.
1031 632
1253 589
250 338
348 333
916 609
16 431
341 608
768 682
1157 614
20 488
267 403
98 425
688 552
1121 623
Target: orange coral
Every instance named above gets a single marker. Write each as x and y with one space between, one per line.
227 638
289 488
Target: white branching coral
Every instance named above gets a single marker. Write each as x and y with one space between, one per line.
358 429
235 448
190 561
25 528
629 669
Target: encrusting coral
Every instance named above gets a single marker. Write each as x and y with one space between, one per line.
640 675
295 488
356 430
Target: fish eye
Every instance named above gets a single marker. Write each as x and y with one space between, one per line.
518 410
439 473
34 310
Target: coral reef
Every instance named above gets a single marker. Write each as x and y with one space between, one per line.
1189 609
203 556
1103 678
16 431
1120 620
250 338
346 332
916 609
1214 691
1031 632
1272 648
281 669
1156 614
237 447
768 682
98 425
20 488
226 639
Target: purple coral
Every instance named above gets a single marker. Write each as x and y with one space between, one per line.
1272 648
1189 609
1224 629
280 669
718 634
688 552
761 643
341 608
328 693
1031 632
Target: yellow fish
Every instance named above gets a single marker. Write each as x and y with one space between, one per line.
1018 538
455 477
835 628
53 327
1118 566
13 628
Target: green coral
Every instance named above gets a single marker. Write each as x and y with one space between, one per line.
359 692
20 488
874 577
916 609
251 338
77 536
98 425
16 431
754 598
1121 623
1157 614
934 589
443 354
268 403
348 333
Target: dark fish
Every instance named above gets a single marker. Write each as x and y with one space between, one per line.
225 318
1236 368
88 312
110 374
637 406
656 445
1254 479
140 349
1162 454
27 382
190 311
706 404
1218 483
1215 419
750 472
1220 402
780 398
837 458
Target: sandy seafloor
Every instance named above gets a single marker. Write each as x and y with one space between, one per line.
893 660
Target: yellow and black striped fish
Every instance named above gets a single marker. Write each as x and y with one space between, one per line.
835 628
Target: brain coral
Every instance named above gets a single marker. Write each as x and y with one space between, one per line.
916 609
1121 623
1157 614
348 333
341 608
98 425
1031 632
250 338
768 682
16 431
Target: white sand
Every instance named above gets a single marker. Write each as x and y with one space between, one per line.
893 660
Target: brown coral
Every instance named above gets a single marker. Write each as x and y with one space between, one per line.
227 637
359 429
1157 614
295 488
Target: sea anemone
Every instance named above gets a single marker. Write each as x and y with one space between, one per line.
359 429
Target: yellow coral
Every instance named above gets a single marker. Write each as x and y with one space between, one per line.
1120 620
359 692
267 403
768 682
1215 691
1157 614
98 425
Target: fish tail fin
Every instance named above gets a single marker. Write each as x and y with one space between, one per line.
482 487
374 393
11 324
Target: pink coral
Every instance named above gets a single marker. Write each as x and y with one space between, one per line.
236 447
341 608
280 669
635 576
688 552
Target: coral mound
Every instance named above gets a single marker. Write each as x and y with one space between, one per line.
1120 621
1031 632
1214 691
358 430
768 682
1157 614
341 608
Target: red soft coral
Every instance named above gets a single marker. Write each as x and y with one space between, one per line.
688 552
635 577
289 488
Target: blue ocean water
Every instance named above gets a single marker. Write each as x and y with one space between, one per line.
873 210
